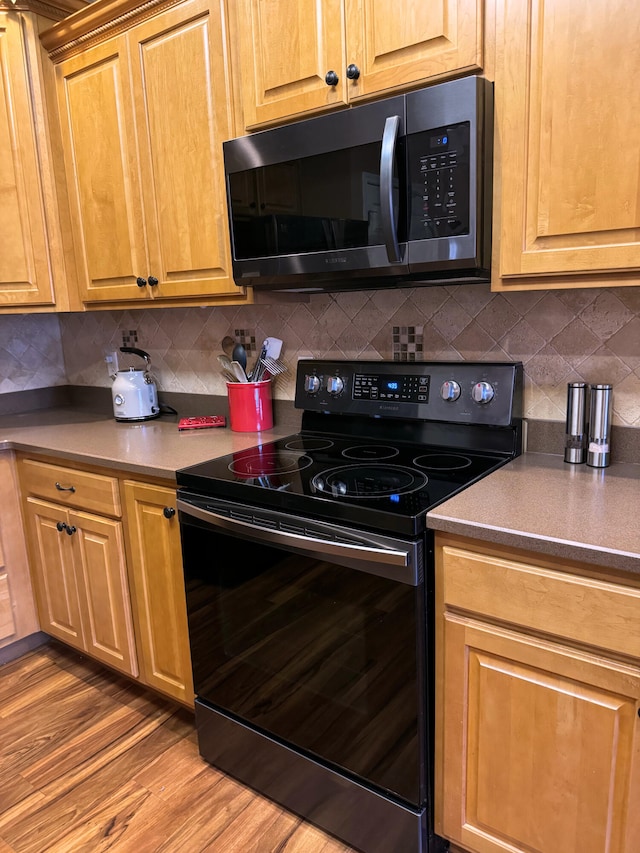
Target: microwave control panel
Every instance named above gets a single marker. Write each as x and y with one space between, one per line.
439 173
487 393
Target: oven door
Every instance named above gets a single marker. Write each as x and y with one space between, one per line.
313 635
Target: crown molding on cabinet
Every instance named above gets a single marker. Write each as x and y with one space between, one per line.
56 10
96 23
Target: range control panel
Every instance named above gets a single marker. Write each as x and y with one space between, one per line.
412 389
488 393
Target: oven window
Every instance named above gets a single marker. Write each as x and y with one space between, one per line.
322 657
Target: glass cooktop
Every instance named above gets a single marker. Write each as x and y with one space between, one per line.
352 480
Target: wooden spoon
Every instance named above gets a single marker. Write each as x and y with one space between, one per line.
228 344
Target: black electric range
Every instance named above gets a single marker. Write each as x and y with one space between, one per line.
381 443
309 579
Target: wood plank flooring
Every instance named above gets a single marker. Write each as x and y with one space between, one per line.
90 761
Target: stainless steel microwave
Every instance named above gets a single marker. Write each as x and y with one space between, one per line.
395 192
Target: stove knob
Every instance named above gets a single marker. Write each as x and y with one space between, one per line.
311 384
450 390
335 385
482 392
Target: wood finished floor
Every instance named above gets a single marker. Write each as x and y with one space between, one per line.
92 762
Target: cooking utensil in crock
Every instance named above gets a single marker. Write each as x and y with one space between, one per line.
228 344
240 355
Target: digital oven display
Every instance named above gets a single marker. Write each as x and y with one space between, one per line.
401 388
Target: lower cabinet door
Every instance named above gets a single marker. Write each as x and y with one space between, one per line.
54 572
539 744
158 590
101 573
81 583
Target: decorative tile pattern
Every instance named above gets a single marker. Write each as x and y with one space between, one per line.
560 336
406 343
590 335
248 340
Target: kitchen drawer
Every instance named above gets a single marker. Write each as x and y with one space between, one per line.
70 487
593 612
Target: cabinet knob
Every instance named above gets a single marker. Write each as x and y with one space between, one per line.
62 488
60 526
353 72
152 281
141 282
331 78
70 529
168 512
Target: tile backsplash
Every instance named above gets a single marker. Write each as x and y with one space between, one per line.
590 335
30 352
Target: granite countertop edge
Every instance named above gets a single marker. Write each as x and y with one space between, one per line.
536 502
154 448
539 503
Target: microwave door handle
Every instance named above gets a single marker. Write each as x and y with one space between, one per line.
387 159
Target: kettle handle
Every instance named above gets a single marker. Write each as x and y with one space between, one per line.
136 351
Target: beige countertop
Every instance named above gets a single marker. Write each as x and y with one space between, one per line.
541 503
536 502
153 448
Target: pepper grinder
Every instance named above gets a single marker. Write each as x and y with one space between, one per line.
575 441
599 451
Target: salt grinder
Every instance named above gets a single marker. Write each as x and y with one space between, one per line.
575 441
599 452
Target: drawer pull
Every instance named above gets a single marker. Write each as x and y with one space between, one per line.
61 488
71 530
60 526
168 512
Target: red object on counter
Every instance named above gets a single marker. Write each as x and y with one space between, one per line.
204 422
250 406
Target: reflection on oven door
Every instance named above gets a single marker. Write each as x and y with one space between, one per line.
310 652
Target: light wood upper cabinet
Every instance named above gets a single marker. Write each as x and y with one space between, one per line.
158 589
32 266
567 143
104 184
143 116
537 701
287 48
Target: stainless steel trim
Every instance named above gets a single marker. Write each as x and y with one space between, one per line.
364 554
387 159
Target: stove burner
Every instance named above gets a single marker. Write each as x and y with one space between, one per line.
442 462
370 451
306 444
258 462
368 481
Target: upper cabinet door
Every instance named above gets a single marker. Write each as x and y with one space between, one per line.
25 274
569 138
396 45
182 115
99 145
286 48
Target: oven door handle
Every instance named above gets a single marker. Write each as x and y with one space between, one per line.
374 559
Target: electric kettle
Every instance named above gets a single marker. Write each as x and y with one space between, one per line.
134 392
